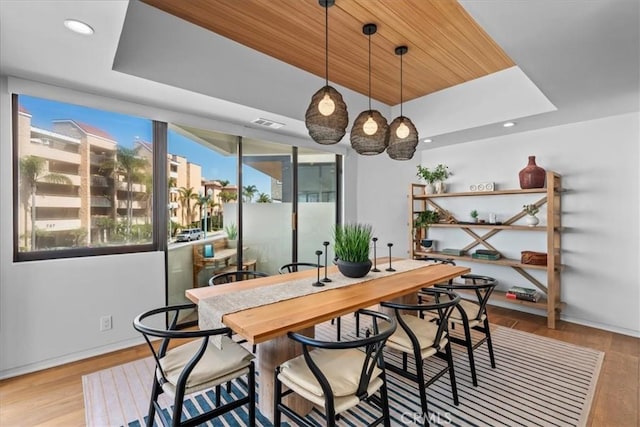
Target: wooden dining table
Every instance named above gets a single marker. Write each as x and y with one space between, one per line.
269 324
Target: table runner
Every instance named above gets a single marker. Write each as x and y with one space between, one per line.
211 310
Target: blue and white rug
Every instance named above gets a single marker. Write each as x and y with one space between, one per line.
537 382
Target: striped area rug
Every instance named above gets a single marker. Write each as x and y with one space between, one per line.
538 382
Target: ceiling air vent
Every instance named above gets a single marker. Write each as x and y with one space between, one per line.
268 123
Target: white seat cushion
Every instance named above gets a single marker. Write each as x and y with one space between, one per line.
215 366
342 369
424 330
471 309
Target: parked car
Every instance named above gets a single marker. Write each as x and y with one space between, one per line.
189 234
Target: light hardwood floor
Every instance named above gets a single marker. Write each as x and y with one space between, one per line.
53 397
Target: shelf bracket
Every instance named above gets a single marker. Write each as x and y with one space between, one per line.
532 279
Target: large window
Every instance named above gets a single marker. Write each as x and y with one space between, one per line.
83 180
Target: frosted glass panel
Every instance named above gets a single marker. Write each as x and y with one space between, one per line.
266 233
315 225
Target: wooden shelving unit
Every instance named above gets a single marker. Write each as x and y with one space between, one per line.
418 202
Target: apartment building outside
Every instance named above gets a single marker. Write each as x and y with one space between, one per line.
79 196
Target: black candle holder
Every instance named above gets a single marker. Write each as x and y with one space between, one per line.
326 279
318 282
375 268
390 268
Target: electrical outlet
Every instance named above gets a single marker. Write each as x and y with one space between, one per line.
105 323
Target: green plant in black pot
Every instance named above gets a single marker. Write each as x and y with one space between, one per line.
351 247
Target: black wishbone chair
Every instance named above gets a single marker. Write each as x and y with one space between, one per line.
337 376
297 266
473 315
423 338
196 365
235 276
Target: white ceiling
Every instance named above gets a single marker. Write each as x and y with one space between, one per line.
577 60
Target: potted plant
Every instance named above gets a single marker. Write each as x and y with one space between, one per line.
232 235
531 219
434 179
474 215
351 247
424 221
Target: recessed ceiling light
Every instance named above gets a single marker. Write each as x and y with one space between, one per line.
78 27
427 140
508 124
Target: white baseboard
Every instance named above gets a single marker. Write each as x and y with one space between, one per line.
68 358
605 327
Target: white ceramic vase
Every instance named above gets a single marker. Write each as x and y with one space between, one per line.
531 220
430 189
440 187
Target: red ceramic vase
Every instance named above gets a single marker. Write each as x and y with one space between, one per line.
532 176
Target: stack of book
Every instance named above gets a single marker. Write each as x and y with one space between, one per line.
486 254
450 251
525 294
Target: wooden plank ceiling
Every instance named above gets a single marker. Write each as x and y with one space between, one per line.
446 46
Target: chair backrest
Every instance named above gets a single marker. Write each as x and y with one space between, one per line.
383 327
443 304
235 276
174 331
297 266
483 286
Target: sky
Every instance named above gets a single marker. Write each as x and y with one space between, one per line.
125 129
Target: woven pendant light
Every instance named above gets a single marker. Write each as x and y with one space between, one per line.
326 118
403 136
370 132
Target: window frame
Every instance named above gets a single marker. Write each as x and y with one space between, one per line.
159 199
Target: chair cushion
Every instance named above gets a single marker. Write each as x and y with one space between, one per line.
215 362
340 404
470 308
341 368
424 330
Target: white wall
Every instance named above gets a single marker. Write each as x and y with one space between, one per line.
50 310
599 163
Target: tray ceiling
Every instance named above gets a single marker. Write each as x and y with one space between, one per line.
446 46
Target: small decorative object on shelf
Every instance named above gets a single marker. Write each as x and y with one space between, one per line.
531 219
524 294
326 279
474 215
532 176
452 251
390 268
533 258
434 179
428 245
318 282
486 254
375 268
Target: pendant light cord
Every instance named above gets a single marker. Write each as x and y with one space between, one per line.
401 85
369 72
326 45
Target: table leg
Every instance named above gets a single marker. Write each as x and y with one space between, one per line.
272 353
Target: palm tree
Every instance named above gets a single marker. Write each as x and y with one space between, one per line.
33 170
223 182
186 196
128 163
263 198
248 192
227 196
